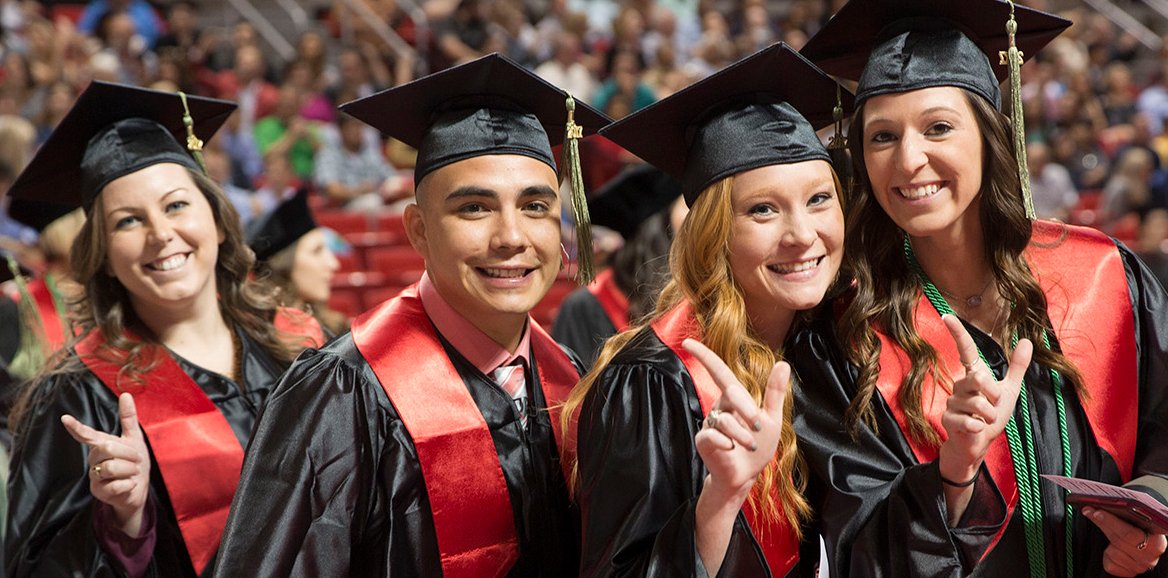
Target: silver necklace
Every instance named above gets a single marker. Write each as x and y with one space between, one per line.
971 302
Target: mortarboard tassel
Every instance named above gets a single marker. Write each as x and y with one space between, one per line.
837 147
193 143
1013 58
30 355
570 170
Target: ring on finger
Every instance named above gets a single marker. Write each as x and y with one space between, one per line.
969 365
1143 544
96 471
712 419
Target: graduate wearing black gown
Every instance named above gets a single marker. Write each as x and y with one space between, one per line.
1091 313
194 421
647 410
394 451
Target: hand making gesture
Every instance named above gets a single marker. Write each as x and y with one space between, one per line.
119 466
736 442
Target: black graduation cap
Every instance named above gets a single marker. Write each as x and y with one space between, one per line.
491 105
894 46
625 201
281 227
37 214
762 110
111 131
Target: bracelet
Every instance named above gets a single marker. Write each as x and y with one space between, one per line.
948 482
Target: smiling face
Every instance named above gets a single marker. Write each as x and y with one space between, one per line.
786 237
924 154
163 242
313 267
489 229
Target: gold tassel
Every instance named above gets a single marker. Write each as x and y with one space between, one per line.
1013 58
837 146
33 350
570 169
193 143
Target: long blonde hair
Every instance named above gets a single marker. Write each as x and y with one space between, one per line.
701 275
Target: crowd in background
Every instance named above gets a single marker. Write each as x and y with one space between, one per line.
1096 100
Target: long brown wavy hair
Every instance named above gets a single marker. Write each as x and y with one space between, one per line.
886 301
105 304
277 271
701 275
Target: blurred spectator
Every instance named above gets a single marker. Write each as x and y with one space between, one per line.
144 20
714 51
355 175
286 134
360 73
625 86
1050 184
245 84
565 69
182 20
1119 97
309 84
174 68
1127 190
247 166
280 182
248 203
136 63
60 98
1153 101
463 35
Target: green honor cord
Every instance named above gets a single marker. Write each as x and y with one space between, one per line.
1025 458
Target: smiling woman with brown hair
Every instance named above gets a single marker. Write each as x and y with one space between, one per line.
176 347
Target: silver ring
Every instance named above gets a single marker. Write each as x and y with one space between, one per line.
969 366
712 419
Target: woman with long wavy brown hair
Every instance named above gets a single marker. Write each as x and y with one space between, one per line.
175 346
680 472
979 350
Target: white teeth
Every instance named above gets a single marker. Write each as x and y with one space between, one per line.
919 192
171 262
505 273
795 267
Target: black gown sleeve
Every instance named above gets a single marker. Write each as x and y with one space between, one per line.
884 513
582 325
50 517
1150 308
640 476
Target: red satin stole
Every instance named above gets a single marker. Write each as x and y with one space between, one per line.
612 300
1081 273
464 480
51 318
779 545
193 446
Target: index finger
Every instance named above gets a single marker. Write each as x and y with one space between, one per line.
966 348
83 433
734 395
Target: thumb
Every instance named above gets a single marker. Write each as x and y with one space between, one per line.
778 385
128 412
1019 361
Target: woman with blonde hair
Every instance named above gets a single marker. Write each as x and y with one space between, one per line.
680 472
981 352
176 347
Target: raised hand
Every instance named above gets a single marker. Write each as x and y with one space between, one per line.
119 466
736 443
979 407
1131 550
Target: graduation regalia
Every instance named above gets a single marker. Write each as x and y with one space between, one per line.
54 520
882 503
590 315
638 504
640 472
882 513
51 525
347 495
391 452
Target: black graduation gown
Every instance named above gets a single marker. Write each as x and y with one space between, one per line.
341 493
640 474
50 515
883 513
582 325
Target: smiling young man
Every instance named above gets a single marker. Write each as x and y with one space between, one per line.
421 444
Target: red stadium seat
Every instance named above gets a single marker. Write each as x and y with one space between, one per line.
403 265
346 301
343 222
393 223
376 296
351 262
